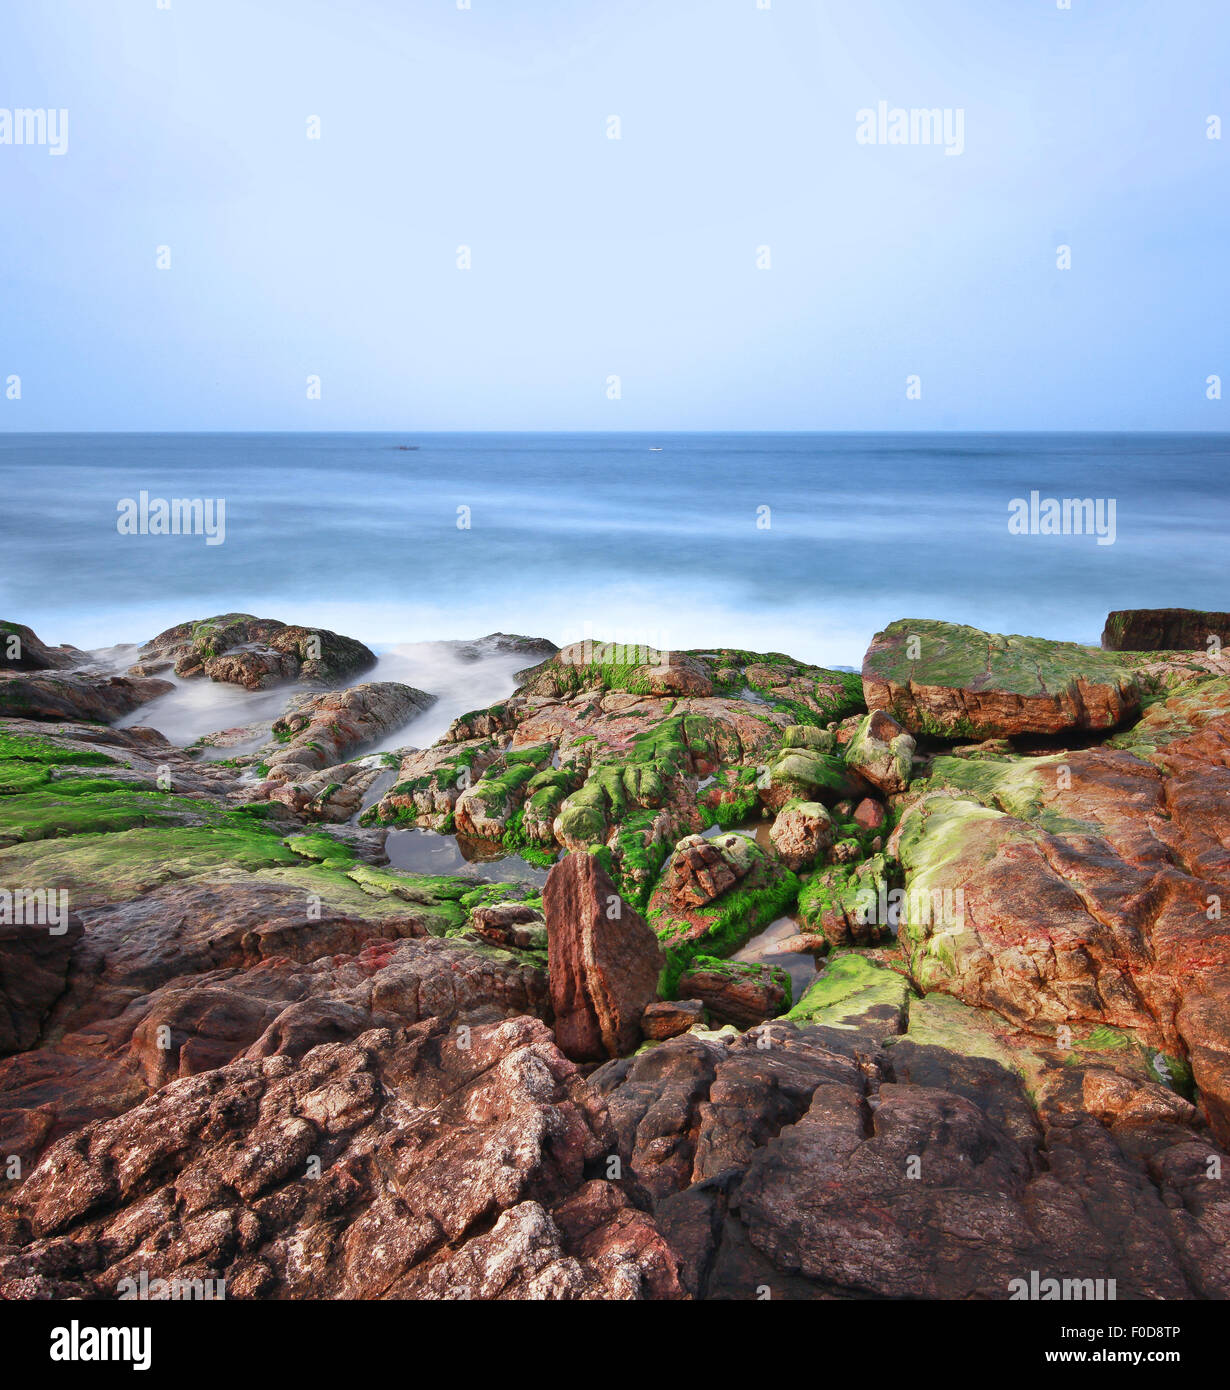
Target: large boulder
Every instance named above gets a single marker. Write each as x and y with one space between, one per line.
1084 890
603 961
959 682
238 649
1164 630
881 1156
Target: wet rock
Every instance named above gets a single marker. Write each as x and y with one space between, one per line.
869 814
604 961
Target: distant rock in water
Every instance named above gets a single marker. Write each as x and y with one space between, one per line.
21 650
1164 630
255 653
60 695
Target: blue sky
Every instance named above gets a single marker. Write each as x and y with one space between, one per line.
593 257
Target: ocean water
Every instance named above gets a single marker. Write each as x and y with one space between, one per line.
627 537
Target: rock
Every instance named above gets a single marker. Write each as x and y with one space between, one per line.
256 653
20 650
1164 630
849 903
714 895
801 831
819 1163
959 682
869 814
737 992
604 961
1076 890
853 993
318 731
403 1164
801 774
512 924
636 668
35 957
804 943
42 695
667 1018
882 753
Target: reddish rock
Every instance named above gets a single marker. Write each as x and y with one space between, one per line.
34 966
667 1018
407 1164
69 696
802 829
735 992
603 961
869 814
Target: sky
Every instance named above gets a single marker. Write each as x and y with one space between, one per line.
614 284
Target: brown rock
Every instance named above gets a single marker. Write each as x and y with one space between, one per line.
603 961
405 1164
737 992
667 1018
869 814
801 830
1164 630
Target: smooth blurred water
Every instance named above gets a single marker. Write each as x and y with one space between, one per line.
577 534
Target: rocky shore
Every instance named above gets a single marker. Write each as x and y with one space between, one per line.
900 984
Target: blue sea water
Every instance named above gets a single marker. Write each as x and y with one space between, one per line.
628 537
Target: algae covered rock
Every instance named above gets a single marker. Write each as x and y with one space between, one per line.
742 993
882 753
713 896
803 774
851 904
959 682
854 993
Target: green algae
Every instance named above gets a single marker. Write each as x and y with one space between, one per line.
853 993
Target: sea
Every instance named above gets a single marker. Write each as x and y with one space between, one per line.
799 543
